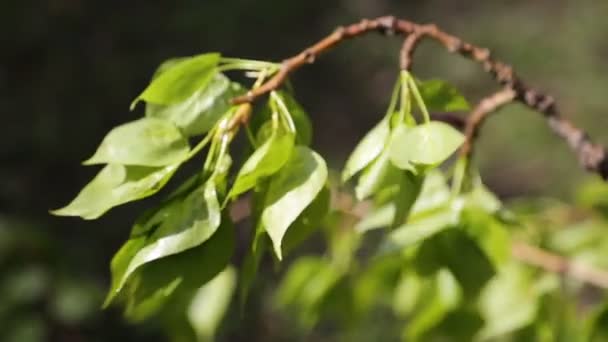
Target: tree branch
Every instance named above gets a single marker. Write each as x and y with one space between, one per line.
475 120
556 263
592 157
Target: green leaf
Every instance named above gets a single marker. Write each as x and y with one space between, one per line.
145 142
508 303
426 144
163 281
299 117
188 225
211 302
418 230
441 96
308 221
115 185
439 295
198 113
180 80
367 150
380 173
452 248
290 191
305 287
406 193
265 161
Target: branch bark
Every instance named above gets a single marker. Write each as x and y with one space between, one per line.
593 157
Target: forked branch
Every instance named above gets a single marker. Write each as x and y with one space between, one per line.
592 156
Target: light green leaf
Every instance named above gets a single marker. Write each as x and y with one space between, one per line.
188 225
367 150
198 113
265 161
439 295
416 231
180 80
167 280
290 191
406 193
115 185
211 302
380 173
441 96
426 144
309 220
299 117
145 142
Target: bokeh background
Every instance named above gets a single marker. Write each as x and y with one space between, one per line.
70 68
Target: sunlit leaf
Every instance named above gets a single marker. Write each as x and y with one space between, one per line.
380 173
180 80
441 96
198 113
265 161
146 142
211 302
115 185
290 191
426 144
367 150
188 225
308 221
156 283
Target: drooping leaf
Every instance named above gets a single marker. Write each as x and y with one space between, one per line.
198 113
306 285
115 185
367 150
441 96
261 124
426 144
439 295
380 173
265 161
308 221
416 231
299 117
409 187
158 283
290 191
180 80
211 302
453 249
188 225
145 142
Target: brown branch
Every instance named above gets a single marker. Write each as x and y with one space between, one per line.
556 263
485 107
592 157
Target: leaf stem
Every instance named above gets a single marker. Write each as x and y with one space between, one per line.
418 97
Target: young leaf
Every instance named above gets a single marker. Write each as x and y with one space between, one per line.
367 150
308 221
145 142
299 117
380 173
265 161
160 282
290 191
406 193
188 225
441 96
426 144
179 81
115 185
210 304
198 113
